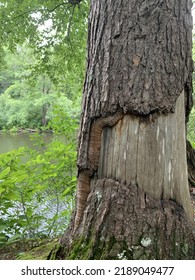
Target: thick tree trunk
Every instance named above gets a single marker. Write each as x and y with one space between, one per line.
132 196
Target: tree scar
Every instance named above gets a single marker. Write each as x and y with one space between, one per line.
84 177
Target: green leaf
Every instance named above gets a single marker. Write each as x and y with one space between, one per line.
4 173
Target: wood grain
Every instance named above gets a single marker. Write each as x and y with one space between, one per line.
149 153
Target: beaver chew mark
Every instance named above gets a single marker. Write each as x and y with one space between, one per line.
83 186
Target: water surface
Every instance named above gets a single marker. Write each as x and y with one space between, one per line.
9 142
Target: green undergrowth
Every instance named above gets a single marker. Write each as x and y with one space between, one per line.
37 187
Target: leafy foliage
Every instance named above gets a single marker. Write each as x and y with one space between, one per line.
43 49
36 188
42 55
56 32
27 104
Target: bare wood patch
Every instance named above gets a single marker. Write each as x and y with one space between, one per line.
149 153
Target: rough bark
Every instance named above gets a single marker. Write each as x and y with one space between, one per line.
132 194
123 222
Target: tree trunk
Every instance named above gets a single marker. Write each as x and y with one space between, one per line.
45 108
133 197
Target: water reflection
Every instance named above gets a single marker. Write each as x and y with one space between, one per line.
9 142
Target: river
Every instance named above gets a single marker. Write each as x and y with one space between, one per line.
9 142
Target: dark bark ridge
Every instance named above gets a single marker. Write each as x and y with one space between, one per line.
139 55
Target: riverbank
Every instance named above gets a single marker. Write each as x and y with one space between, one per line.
25 130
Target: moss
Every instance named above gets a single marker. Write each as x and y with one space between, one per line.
54 251
138 253
79 250
38 253
28 249
76 249
97 249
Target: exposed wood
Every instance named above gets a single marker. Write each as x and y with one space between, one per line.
146 152
149 153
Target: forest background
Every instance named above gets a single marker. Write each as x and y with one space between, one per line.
43 58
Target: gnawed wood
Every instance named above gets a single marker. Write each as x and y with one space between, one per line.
142 151
149 153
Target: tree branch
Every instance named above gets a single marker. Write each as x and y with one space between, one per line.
22 14
70 22
73 2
